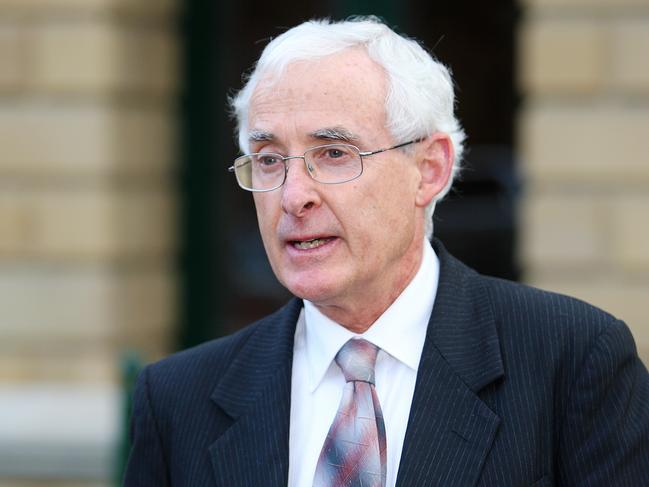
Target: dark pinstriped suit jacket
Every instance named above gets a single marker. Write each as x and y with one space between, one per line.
516 387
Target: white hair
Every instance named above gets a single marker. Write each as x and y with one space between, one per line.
420 98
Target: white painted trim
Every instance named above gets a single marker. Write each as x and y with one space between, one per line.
58 430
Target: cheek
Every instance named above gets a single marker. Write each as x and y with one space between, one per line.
393 209
372 219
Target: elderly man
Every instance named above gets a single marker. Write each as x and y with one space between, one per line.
395 364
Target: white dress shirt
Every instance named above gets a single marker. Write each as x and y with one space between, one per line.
317 381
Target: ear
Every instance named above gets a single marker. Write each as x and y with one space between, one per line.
435 164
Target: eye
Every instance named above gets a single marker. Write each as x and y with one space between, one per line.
267 159
335 153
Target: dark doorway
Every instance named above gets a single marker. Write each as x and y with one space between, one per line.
226 280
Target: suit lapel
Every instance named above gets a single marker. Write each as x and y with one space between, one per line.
450 429
255 393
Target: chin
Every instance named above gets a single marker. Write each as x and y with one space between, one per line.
312 289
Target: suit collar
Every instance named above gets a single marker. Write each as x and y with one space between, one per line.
462 326
462 330
255 393
450 429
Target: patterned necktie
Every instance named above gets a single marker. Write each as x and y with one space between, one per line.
354 452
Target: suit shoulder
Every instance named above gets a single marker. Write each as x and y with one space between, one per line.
548 316
518 298
202 365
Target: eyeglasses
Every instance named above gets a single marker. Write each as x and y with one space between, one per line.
327 164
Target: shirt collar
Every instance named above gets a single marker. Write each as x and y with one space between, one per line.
400 331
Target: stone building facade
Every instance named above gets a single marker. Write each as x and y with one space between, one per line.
88 230
583 143
88 95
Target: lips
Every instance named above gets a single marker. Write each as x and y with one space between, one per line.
310 244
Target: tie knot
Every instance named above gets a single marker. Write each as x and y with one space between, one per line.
356 359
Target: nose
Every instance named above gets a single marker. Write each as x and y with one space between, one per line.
299 191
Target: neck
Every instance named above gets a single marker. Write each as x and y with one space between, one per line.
360 313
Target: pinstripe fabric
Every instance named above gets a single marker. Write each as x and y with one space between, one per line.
516 387
201 417
353 454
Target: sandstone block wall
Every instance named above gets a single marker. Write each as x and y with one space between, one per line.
88 101
584 135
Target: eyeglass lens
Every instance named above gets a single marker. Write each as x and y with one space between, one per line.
335 163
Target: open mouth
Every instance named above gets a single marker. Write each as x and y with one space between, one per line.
310 244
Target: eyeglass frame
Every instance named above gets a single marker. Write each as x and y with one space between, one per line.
361 154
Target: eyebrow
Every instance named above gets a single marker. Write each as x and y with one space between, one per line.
327 133
260 136
334 133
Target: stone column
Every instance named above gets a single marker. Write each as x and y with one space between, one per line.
88 94
584 140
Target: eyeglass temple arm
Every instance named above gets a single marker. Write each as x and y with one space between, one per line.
415 141
233 168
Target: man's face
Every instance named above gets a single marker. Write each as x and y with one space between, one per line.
364 235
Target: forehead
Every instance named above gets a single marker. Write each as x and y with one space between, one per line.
346 89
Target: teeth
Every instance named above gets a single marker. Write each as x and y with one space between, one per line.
311 244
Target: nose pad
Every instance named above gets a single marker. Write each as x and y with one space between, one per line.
310 168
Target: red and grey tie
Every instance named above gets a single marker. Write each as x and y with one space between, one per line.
354 452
